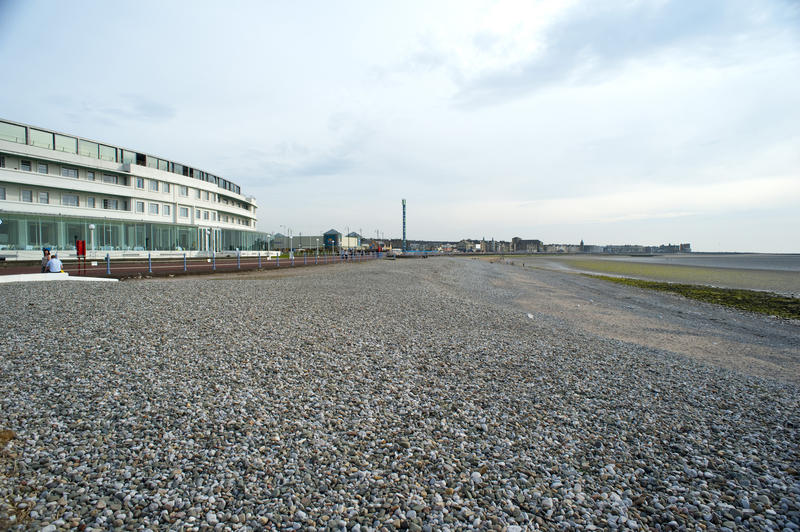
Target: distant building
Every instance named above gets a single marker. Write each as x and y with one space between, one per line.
357 241
333 239
528 246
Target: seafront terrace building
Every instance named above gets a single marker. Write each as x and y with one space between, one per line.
57 188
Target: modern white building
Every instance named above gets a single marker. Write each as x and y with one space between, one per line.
57 188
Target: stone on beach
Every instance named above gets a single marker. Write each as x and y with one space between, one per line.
402 394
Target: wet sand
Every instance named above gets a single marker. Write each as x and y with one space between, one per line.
777 281
750 343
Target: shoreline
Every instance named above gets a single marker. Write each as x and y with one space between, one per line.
782 282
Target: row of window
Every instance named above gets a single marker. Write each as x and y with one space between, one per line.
67 171
63 143
139 182
73 200
156 186
67 199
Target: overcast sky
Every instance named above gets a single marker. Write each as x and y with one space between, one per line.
611 122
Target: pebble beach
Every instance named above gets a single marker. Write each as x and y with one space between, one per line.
407 394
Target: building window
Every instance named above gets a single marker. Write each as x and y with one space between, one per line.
2 193
13 132
197 193
205 195
107 153
25 165
90 175
2 161
87 149
115 179
165 210
139 206
90 203
70 200
205 215
213 217
43 139
66 144
116 205
154 208
41 168
165 187
183 191
69 172
139 182
197 214
44 197
153 185
183 212
26 196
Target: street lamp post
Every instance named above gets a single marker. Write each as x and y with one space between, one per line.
91 230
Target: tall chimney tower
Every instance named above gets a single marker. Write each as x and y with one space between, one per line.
404 226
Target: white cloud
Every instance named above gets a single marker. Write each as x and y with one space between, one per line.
615 120
643 202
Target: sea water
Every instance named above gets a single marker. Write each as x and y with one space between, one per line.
739 261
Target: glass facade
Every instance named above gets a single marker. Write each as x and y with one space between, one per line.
88 149
32 232
66 144
108 153
13 132
243 240
43 139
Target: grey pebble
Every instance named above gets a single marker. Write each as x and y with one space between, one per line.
403 394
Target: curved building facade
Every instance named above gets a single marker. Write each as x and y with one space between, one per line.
57 188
